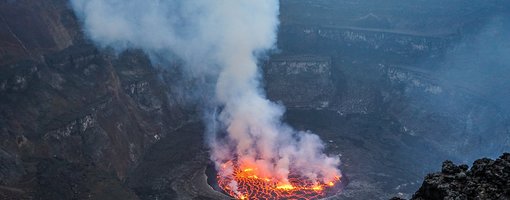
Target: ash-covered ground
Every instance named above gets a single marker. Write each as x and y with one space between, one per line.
392 87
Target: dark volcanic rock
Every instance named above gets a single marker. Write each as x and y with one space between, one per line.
63 98
487 179
300 81
34 28
59 179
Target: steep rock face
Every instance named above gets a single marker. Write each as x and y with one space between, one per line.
300 81
88 100
434 106
84 108
73 111
33 28
358 59
487 179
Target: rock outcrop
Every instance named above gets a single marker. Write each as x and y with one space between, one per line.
487 179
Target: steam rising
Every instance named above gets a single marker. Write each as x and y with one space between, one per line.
220 39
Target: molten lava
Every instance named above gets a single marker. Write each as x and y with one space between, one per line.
247 183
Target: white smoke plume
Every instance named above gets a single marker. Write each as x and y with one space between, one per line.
222 39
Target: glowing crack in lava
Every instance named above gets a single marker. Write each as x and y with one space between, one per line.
245 183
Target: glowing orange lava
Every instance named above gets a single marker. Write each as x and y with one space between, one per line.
249 185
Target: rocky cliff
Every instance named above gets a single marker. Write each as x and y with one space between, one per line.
74 120
300 81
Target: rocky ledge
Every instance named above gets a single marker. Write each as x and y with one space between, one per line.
487 179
